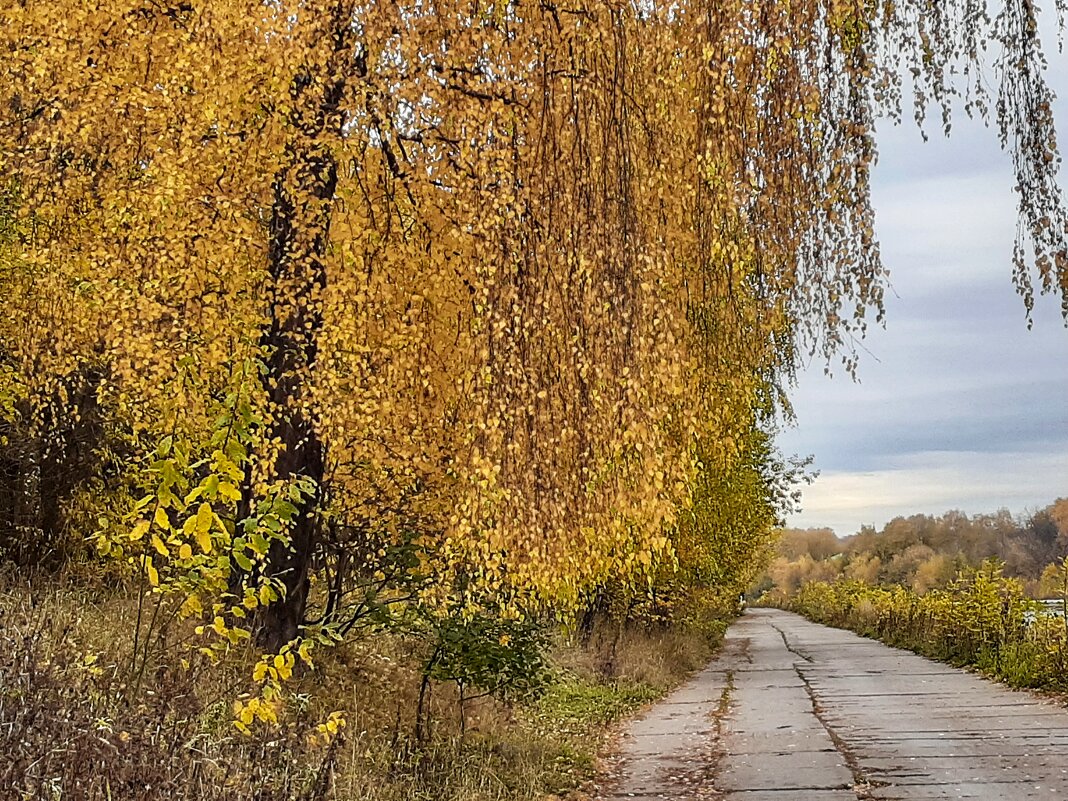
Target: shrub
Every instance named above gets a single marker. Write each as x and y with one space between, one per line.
982 619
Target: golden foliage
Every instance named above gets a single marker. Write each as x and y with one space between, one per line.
514 271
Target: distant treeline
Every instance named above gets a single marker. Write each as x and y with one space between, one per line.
923 552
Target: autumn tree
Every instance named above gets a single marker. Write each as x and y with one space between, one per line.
501 287
819 543
925 552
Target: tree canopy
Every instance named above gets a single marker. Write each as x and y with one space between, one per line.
320 306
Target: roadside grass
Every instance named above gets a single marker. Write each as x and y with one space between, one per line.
82 718
981 621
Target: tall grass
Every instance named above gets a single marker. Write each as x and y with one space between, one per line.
983 620
81 719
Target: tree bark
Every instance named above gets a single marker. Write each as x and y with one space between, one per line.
299 238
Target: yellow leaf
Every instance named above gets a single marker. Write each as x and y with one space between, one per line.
185 552
267 713
161 518
204 517
285 670
191 606
229 491
157 543
139 530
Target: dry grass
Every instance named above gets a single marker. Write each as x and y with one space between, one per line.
72 727
80 719
654 658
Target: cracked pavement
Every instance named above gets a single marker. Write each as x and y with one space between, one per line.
794 711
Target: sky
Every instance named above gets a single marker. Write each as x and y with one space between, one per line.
958 405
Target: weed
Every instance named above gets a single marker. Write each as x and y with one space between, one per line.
981 620
74 724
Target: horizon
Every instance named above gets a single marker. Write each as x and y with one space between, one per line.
1018 515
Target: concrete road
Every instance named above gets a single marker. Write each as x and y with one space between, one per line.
794 711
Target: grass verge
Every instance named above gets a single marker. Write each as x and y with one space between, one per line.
82 717
982 620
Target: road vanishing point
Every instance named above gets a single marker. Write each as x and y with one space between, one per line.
795 711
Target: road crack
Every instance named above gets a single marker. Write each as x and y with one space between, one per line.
718 752
793 649
863 784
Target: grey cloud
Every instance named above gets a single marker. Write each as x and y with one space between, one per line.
956 372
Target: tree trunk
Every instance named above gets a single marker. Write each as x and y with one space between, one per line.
300 234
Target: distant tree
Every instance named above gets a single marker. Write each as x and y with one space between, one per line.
819 543
788 576
935 572
864 567
1059 513
924 552
902 566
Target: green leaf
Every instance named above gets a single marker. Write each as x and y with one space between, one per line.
285 510
236 451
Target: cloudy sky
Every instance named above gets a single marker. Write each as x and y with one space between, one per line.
958 405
